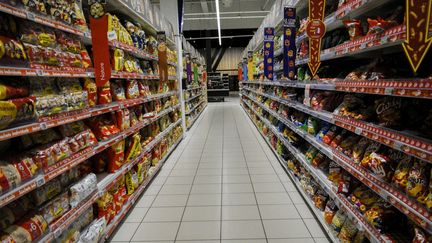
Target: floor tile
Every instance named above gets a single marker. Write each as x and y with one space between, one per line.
165 214
145 201
206 188
203 213
237 188
245 241
304 211
175 189
281 211
264 178
322 240
179 180
268 187
182 172
261 171
230 179
287 228
240 212
204 200
204 172
251 229
297 240
238 199
205 230
125 232
207 179
153 190
156 231
235 171
314 228
170 201
296 198
136 215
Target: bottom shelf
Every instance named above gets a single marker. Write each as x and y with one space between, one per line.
137 194
318 215
195 118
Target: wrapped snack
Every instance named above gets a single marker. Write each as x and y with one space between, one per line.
380 165
104 94
141 168
116 156
359 149
134 147
417 181
323 131
117 90
354 28
338 220
330 211
104 204
118 60
28 230
381 215
94 232
46 192
131 180
379 25
82 189
312 126
349 144
9 176
363 198
320 199
12 52
335 172
12 90
55 208
400 177
123 119
132 89
389 111
348 231
419 236
330 135
16 110
90 87
311 153
14 211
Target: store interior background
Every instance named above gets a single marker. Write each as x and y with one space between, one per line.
239 21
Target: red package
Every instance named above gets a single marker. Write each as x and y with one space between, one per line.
116 156
29 230
354 28
123 119
104 94
25 167
87 62
90 87
8 91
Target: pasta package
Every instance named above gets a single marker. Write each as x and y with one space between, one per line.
28 230
16 110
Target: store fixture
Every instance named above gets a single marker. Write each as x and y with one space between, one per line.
354 138
218 87
194 83
83 151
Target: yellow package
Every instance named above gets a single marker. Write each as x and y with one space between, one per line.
118 60
129 183
134 148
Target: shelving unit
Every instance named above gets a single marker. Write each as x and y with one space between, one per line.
284 110
155 108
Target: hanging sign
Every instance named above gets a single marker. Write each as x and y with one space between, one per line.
417 43
195 70
269 33
162 55
289 48
245 69
188 68
250 65
101 54
315 30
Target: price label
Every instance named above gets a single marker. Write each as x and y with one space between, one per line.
358 131
31 16
384 40
363 45
40 182
57 233
87 34
397 145
43 126
39 72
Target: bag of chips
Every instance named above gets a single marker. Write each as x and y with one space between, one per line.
116 156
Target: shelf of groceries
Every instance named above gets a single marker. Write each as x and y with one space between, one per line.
346 153
77 155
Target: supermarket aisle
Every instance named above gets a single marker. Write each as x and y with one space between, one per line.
222 184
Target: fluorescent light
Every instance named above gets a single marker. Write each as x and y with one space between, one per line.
218 21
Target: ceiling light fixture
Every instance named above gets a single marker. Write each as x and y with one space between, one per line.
218 21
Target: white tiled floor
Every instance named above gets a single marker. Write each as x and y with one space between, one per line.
222 184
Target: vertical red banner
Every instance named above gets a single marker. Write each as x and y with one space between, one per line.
315 30
101 55
162 55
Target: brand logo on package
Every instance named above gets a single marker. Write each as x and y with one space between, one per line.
289 45
269 52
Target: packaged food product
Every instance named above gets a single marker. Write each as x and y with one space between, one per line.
359 149
133 148
381 215
55 208
104 94
104 204
94 232
417 181
16 110
312 126
11 89
92 94
28 230
400 177
354 28
389 111
82 189
380 165
118 60
116 156
363 198
14 54
329 211
348 231
330 135
338 220
117 90
123 119
13 212
132 89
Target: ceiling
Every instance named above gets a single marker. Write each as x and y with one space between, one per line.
238 17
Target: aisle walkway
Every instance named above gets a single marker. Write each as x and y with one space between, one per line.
223 184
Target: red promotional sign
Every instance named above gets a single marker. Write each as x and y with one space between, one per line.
315 30
417 43
101 55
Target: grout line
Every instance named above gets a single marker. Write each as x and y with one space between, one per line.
196 171
253 188
222 171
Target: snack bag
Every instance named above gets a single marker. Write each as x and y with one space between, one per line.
400 177
354 28
132 89
129 183
94 232
338 220
90 87
55 208
82 189
17 110
28 230
104 204
11 90
117 90
330 211
381 215
389 111
123 119
14 211
9 176
116 156
359 149
417 181
134 147
104 94
348 231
